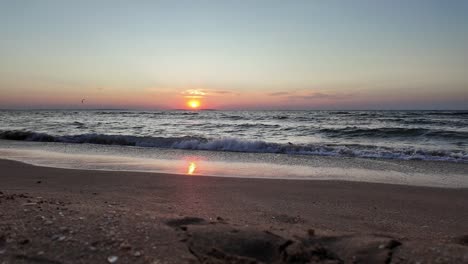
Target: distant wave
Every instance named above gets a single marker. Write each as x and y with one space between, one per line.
257 125
240 145
455 113
393 132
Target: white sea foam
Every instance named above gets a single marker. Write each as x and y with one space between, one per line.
242 145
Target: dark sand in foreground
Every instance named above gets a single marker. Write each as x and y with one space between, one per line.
50 215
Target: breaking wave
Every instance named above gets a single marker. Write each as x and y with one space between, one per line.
241 145
395 132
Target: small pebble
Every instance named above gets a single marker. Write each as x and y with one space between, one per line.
125 246
137 254
112 259
24 241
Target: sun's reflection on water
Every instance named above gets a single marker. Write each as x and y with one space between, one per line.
191 168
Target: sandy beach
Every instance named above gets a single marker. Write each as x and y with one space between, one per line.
235 132
50 215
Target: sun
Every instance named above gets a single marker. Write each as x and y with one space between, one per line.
194 104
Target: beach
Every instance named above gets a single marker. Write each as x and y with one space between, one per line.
234 132
51 215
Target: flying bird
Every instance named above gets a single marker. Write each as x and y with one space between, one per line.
82 101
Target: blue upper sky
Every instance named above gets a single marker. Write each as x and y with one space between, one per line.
292 54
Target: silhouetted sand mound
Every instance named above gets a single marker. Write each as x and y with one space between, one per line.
221 245
224 244
185 221
362 248
462 240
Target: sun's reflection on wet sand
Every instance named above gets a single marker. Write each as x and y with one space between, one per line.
191 168
201 166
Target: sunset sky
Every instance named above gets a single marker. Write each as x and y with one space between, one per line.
234 54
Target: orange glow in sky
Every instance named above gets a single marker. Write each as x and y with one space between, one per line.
191 168
418 58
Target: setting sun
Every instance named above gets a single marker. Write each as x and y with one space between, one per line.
193 104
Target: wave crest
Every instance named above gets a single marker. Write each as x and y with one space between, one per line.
240 145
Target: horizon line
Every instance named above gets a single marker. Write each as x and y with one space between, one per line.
211 109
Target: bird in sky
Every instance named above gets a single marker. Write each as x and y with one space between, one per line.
82 101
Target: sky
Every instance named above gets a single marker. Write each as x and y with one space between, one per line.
313 54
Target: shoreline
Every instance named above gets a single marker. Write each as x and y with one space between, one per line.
184 174
239 165
76 216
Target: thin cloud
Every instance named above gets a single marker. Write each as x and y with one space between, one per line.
319 95
193 93
279 93
221 92
218 92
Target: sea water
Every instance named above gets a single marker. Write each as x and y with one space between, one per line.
381 146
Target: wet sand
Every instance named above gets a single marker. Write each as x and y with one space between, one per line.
50 215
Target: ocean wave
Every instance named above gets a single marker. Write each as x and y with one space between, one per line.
241 145
280 117
394 132
340 113
257 125
454 113
232 117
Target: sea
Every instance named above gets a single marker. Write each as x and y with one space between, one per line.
270 144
